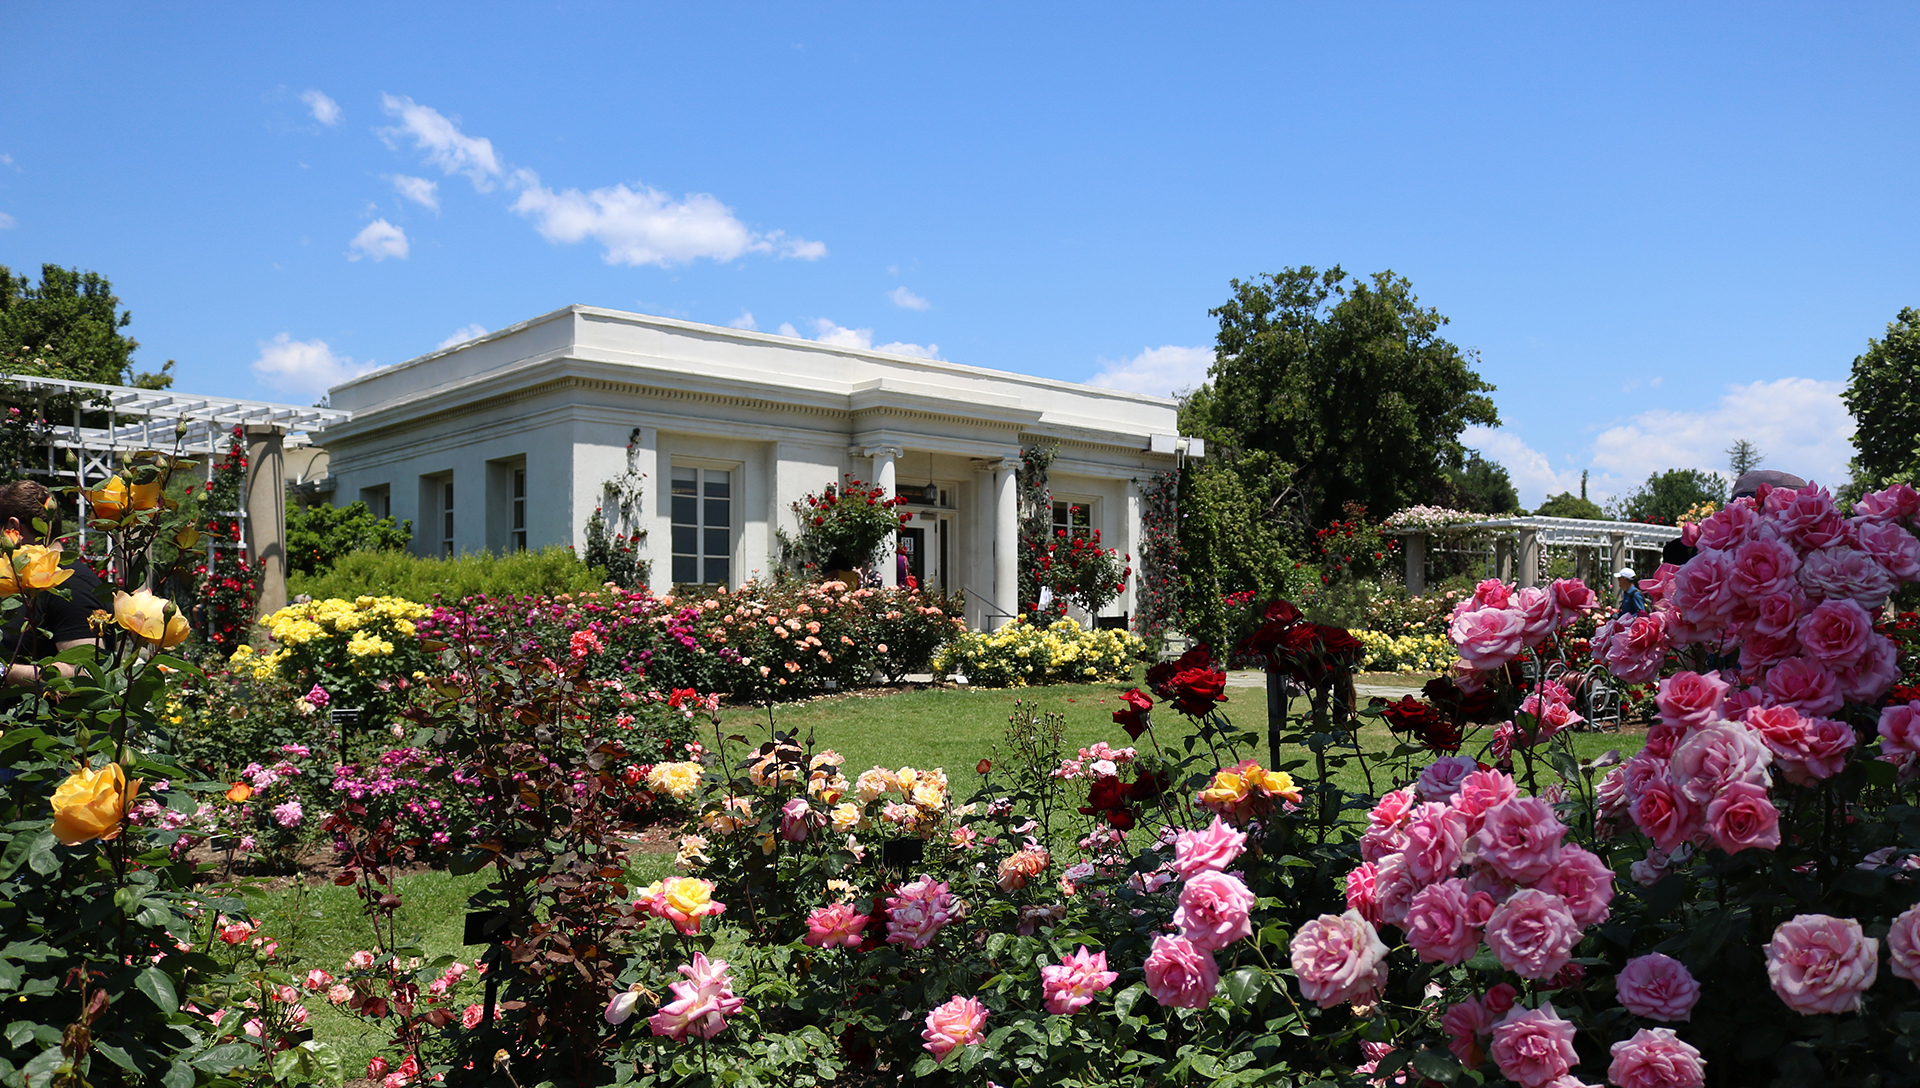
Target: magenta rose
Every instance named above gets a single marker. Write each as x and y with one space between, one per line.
1435 834
1179 975
1209 850
1665 814
1338 959
1818 963
1835 632
1584 881
1533 1047
1690 699
1519 839
1741 817
1362 894
1214 911
1804 685
1656 1058
1903 945
1900 730
1657 987
1532 934
1761 567
1439 923
1488 638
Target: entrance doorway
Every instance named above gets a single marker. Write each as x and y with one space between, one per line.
925 547
912 546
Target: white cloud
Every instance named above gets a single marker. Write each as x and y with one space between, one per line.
746 321
907 300
432 132
1801 426
646 226
379 240
1162 372
325 110
6 221
461 335
786 329
306 367
828 332
1533 476
422 191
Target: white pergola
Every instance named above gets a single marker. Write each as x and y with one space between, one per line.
191 423
1523 538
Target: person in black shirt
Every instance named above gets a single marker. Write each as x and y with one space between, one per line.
49 622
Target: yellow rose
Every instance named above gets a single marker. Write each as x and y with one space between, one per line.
676 780
145 615
846 817
30 569
687 896
144 496
90 804
109 500
1275 783
1228 789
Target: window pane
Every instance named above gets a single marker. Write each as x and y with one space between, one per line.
717 512
718 483
717 572
519 483
683 481
685 509
716 542
685 539
686 568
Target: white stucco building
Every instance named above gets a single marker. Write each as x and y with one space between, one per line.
508 441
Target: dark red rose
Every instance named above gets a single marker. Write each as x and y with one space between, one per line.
1135 717
1149 786
1197 690
1457 705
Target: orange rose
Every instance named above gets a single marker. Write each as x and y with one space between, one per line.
31 568
109 500
240 793
91 804
145 496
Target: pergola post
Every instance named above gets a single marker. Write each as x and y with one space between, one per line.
1529 556
1416 548
1503 558
1616 554
267 515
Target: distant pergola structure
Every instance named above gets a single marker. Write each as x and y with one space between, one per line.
1519 542
162 419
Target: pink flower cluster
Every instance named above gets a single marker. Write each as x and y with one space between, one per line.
1070 985
1101 760
1703 780
1498 621
1215 910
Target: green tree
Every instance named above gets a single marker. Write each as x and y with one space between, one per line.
1225 552
1348 383
320 534
1884 396
1667 495
69 325
1743 457
1569 505
1480 486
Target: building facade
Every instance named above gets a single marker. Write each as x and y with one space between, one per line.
513 440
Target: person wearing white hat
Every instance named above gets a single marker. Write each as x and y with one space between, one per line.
1632 601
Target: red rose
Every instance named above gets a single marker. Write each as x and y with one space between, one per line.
1134 718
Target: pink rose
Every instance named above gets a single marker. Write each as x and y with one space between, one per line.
1742 816
1656 1058
1819 963
1071 985
1533 1047
1762 567
1805 685
1779 613
1482 790
1385 832
1362 893
1900 730
1903 945
1489 593
918 911
1657 987
1688 699
835 924
1539 613
959 1022
1211 850
1439 927
1711 756
1465 1023
1489 637
1869 677
1896 503
1573 597
1701 591
702 1002
1665 814
1891 546
1846 572
1636 649
1435 834
1519 839
1181 976
1394 886
1214 911
1441 779
1584 881
1835 632
1610 796
1819 751
1806 516
1532 934
1338 958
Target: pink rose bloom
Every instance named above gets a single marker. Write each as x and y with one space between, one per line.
1820 752
1533 1047
1896 503
1779 613
1519 839
1702 591
795 820
1712 756
1539 614
1762 567
1441 779
1489 593
1903 946
960 1022
1656 1058
472 1015
1843 572
1872 673
1385 832
1435 834
1804 685
1489 637
1211 850
1338 958
1482 790
1636 648
1611 794
1573 597
1819 963
1807 517
1181 976
1731 526
1439 926
701 1004
1394 887
835 924
1071 985
1690 700
1891 546
918 912
1742 816
1214 911
1657 987
1532 934
1362 893
1586 884
1835 632
1466 1023
1665 814
1900 730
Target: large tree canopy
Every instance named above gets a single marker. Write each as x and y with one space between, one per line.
1478 486
1347 383
1667 495
68 326
1884 397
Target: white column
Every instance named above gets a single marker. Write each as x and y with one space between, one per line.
1415 547
1006 537
266 501
1130 547
883 478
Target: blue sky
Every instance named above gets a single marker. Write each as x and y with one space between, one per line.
1661 229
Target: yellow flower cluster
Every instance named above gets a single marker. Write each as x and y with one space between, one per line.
676 780
1406 653
1021 653
260 666
335 630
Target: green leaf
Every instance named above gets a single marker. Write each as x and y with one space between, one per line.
18 1033
1124 1001
1437 1065
40 856
1243 984
158 987
226 1057
178 1075
117 1056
